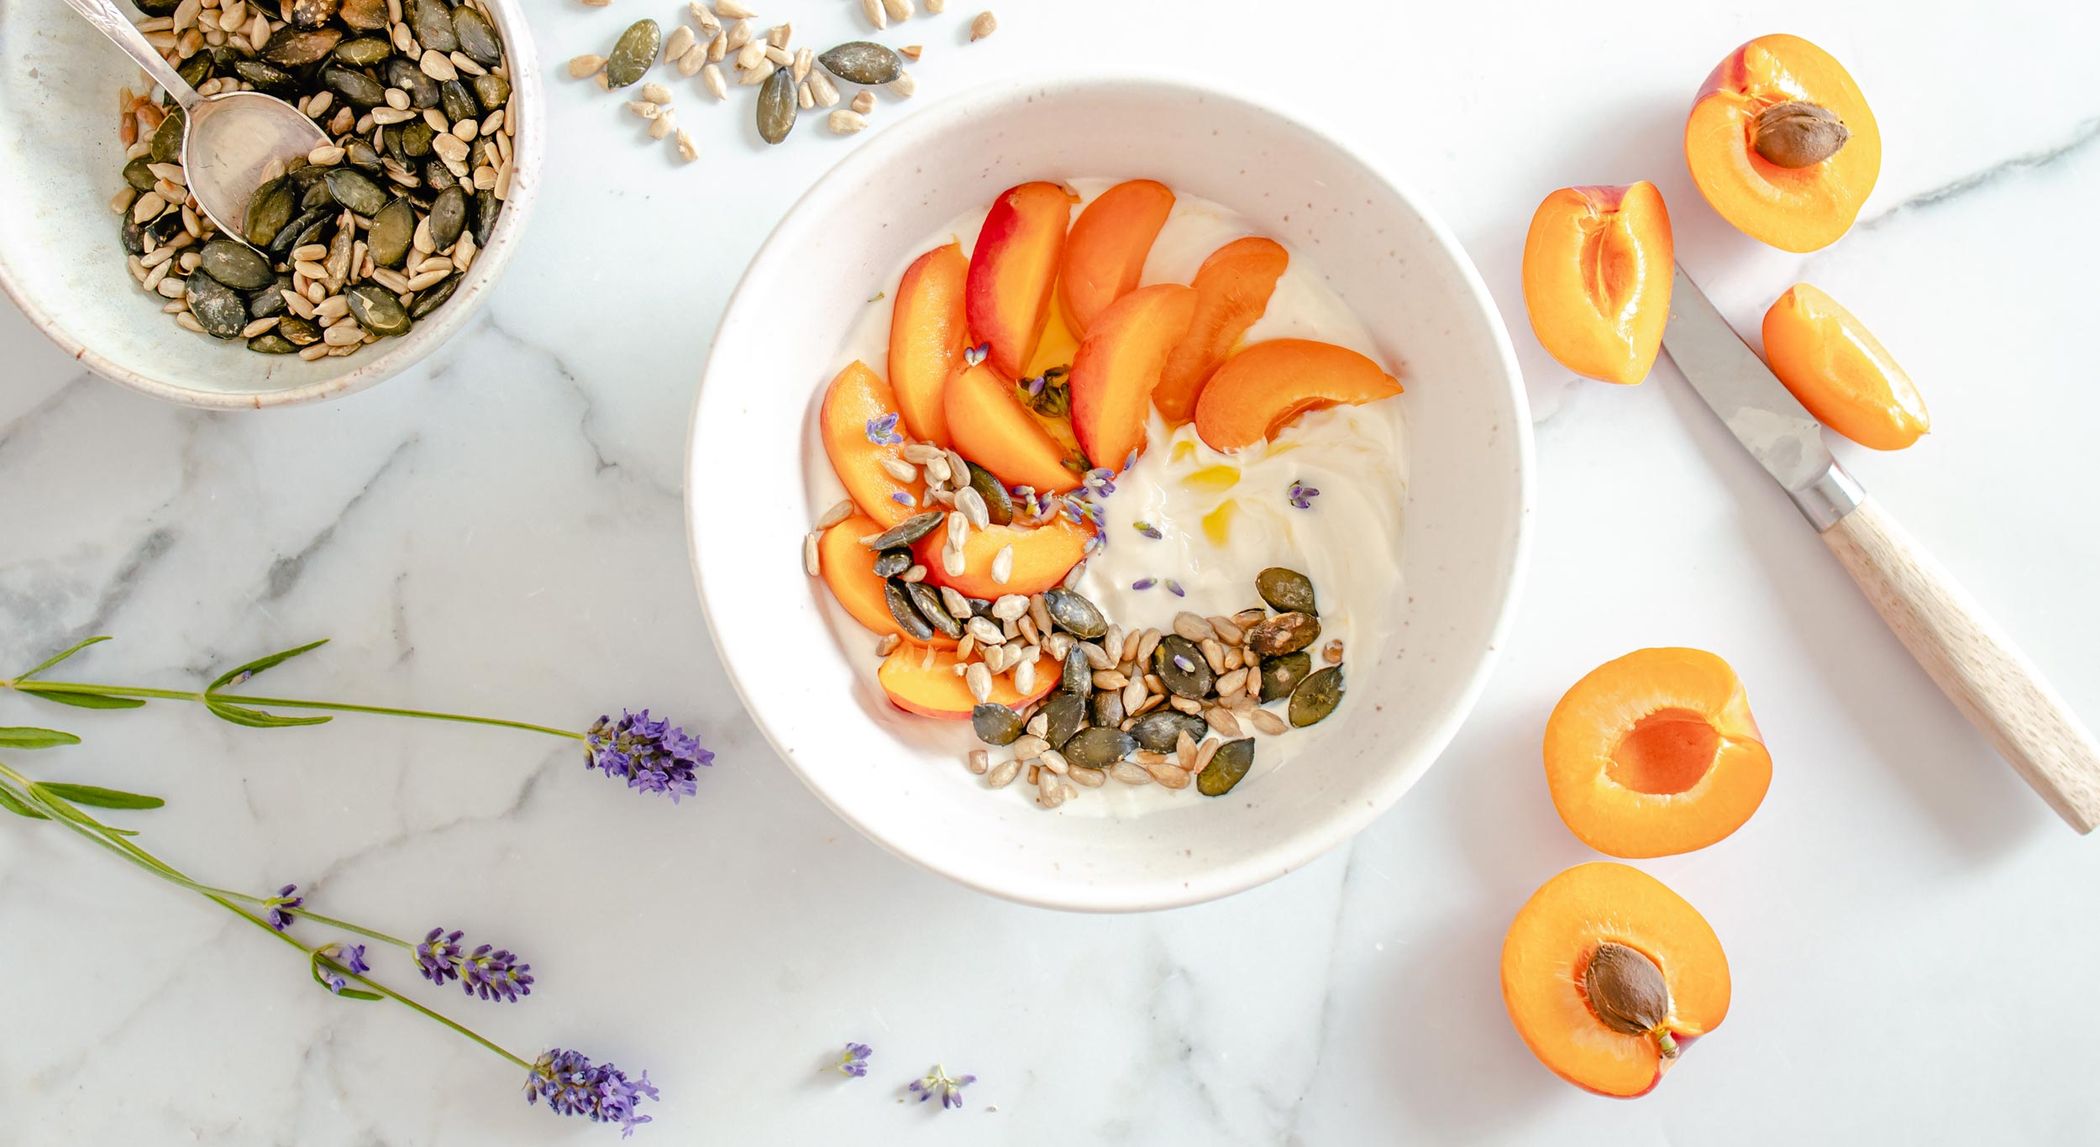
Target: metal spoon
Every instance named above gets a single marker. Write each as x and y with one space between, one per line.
228 140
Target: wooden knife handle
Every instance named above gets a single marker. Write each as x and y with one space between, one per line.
1972 661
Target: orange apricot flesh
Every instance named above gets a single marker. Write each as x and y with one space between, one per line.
930 687
1118 364
1232 291
1013 271
1553 999
848 567
927 333
990 427
1043 555
1261 389
1105 253
1597 272
1795 208
1656 753
1841 372
858 398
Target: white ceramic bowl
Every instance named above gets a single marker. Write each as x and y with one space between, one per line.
62 263
903 784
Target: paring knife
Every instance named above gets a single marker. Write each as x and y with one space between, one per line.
1963 651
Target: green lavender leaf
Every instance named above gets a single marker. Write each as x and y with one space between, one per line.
25 737
313 965
256 718
79 700
95 796
59 804
243 672
15 805
61 655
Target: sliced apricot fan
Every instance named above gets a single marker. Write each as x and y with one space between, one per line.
1597 273
1547 980
1794 208
1105 254
1232 292
932 688
853 408
927 333
1013 271
1655 754
990 427
1841 372
1261 389
1043 555
848 567
1117 366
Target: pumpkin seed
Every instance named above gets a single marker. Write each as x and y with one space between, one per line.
1316 696
633 54
359 89
266 78
995 724
1280 675
491 90
218 307
457 102
1286 590
363 15
377 310
363 156
138 175
296 47
234 264
1109 710
928 603
393 229
863 62
998 504
270 342
1098 748
430 298
1078 676
1073 613
269 300
1284 633
364 51
298 331
477 37
167 139
268 211
1181 667
776 107
299 231
433 25
155 7
355 190
1226 768
486 208
404 74
448 217
1067 715
904 612
1161 729
908 531
415 139
890 563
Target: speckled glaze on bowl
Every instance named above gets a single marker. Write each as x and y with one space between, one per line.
62 263
806 676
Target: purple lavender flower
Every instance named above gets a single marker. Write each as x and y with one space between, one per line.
1034 386
1130 460
938 1082
600 1092
1101 480
903 499
1148 529
349 956
437 957
282 906
1144 583
495 975
976 354
1174 587
1302 495
854 1060
882 431
655 756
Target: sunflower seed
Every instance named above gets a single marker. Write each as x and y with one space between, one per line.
1130 774
1332 653
888 644
1003 565
843 122
1223 721
1168 776
977 761
1003 774
1267 722
711 77
839 512
810 560
984 25
1227 632
979 680
1055 762
863 102
1088 778
872 9
986 632
1193 627
1024 676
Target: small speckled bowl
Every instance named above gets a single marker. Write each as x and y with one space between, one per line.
62 263
804 671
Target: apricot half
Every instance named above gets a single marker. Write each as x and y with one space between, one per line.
991 428
848 567
1261 389
1013 271
1105 253
1655 754
1043 555
1841 372
1117 366
927 333
1232 292
1782 143
1608 974
859 429
1597 272
929 685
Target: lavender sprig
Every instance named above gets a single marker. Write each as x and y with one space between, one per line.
938 1083
600 1092
654 756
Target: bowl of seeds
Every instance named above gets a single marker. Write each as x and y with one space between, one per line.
353 261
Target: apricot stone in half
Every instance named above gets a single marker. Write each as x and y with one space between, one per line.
1597 273
1607 975
1841 372
1655 754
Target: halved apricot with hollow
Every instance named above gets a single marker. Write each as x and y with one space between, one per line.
1117 366
1607 975
1232 292
1597 272
848 567
1655 754
1043 555
991 428
1105 253
1782 143
925 682
1261 389
1013 271
927 333
1841 372
860 432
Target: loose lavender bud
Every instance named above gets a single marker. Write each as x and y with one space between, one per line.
938 1082
883 431
854 1060
281 907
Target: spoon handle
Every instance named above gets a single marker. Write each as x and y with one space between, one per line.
113 23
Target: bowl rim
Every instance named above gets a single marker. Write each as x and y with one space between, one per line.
530 151
1286 854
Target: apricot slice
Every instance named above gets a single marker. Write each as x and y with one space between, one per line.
1841 372
1261 389
859 426
1597 271
1656 754
1013 270
1043 555
990 427
1105 254
1782 143
1117 366
1232 292
930 687
927 333
848 567
1607 975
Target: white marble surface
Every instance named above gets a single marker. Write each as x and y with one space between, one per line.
1912 934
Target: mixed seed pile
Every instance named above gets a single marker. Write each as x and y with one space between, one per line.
367 233
788 79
